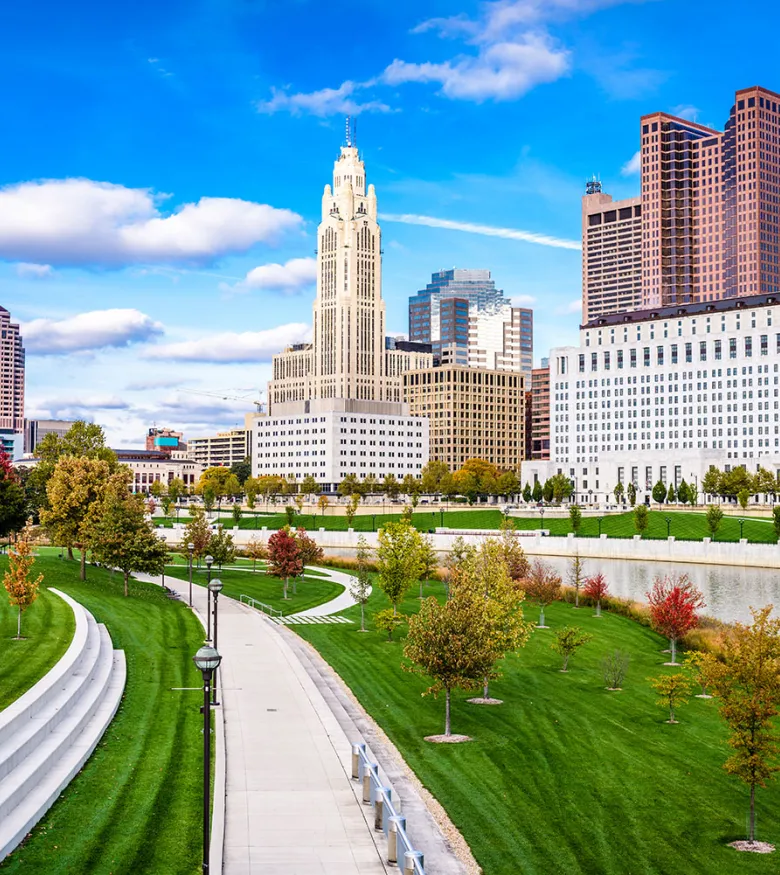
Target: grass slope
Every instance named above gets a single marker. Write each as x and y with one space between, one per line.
312 590
685 526
47 630
565 777
136 805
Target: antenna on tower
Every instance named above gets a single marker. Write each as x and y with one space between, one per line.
348 131
593 185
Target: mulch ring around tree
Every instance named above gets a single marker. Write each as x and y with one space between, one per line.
753 847
447 739
481 700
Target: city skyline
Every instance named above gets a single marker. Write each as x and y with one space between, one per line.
131 306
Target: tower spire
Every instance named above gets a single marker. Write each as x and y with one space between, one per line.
348 137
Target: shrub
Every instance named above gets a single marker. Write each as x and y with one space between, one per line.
387 621
614 667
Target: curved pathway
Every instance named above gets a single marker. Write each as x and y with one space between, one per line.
323 613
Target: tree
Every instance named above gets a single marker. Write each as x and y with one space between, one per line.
614 667
508 484
298 499
322 502
369 485
764 482
451 643
284 556
220 481
349 485
157 489
714 519
674 601
75 491
527 493
197 533
124 539
221 547
631 493
735 481
671 495
427 559
548 491
538 492
251 490
236 512
673 690
711 481
776 520
12 498
743 496
390 486
21 587
209 497
412 487
619 492
432 474
747 681
398 560
360 588
513 553
151 506
255 549
701 668
543 586
167 504
352 507
448 487
386 621
309 486
683 493
575 518
575 577
310 552
596 588
641 519
567 642
659 492
459 552
289 512
242 470
561 487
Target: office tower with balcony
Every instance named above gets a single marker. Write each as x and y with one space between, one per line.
12 366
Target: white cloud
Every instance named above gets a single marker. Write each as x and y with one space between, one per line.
570 308
686 111
77 406
34 271
288 278
234 347
523 300
633 165
326 101
97 329
78 221
486 230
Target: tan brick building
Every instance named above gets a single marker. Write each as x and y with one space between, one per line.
540 413
473 413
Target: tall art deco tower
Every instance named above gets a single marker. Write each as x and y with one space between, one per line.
347 365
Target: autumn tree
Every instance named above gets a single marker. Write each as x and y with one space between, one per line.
674 601
124 539
513 553
12 498
322 502
221 547
567 641
351 509
614 667
255 549
398 560
386 621
360 588
21 586
284 556
198 533
575 577
451 643
596 588
747 681
641 519
543 586
673 691
455 559
701 669
575 518
220 481
432 474
427 558
310 552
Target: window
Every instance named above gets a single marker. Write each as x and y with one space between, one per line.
688 352
703 351
646 356
632 357
660 355
674 353
748 347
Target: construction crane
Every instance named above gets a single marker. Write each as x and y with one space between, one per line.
226 397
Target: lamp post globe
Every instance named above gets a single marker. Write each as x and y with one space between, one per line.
207 660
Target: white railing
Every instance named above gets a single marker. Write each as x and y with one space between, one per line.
260 606
386 816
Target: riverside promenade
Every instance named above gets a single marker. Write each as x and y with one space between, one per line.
291 806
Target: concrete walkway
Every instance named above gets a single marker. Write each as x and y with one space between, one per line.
342 601
292 808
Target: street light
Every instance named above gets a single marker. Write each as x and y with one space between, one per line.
215 588
373 522
207 661
209 562
541 517
741 524
668 526
191 550
600 520
441 513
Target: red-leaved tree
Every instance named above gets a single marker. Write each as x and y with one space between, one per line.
310 552
284 556
596 588
674 601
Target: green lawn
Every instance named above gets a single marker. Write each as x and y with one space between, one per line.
136 805
565 777
47 630
685 526
312 590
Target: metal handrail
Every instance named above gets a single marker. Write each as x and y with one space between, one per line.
260 606
400 848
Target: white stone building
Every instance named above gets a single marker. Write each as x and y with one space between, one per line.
663 394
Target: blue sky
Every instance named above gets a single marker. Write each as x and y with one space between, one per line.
161 167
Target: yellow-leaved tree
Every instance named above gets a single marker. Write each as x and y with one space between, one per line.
22 588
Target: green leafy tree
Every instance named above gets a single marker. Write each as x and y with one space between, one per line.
157 489
209 497
349 485
747 682
618 492
538 492
236 513
641 519
527 493
167 503
736 481
432 475
466 484
673 690
743 496
575 518
390 486
567 641
764 482
242 470
714 519
370 485
561 487
351 509
251 490
220 482
671 495
12 498
309 485
548 490
412 487
197 533
776 520
508 484
360 587
659 492
122 537
447 486
711 482
631 494
290 514
21 586
427 559
221 547
683 493
387 621
455 560
398 560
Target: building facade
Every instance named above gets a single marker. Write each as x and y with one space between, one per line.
663 395
611 253
469 322
225 448
473 413
165 440
12 365
540 412
150 466
35 430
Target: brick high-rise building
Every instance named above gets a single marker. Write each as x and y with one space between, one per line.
540 411
11 378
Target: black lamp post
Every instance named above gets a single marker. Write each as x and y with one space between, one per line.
206 660
373 522
441 513
741 524
600 520
215 588
190 550
668 526
541 517
209 562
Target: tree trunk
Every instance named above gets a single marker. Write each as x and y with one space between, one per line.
673 645
576 596
362 617
565 663
598 608
541 616
127 574
19 623
486 689
285 588
70 553
295 586
671 712
447 714
83 569
752 812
